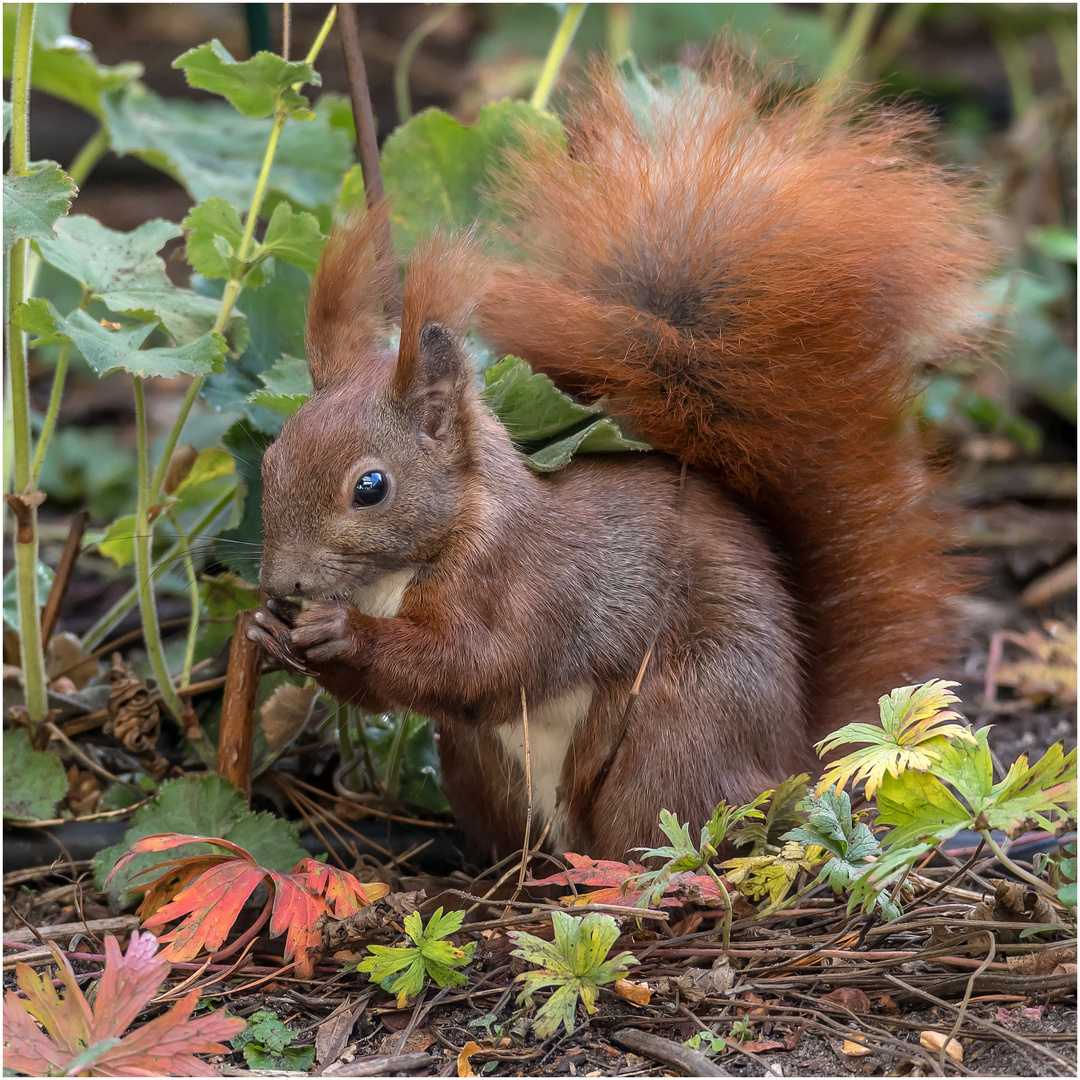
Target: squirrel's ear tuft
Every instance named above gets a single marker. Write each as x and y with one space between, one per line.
351 296
442 282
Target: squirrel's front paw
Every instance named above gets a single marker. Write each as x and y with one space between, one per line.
271 627
328 631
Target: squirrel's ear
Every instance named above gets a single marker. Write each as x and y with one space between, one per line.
351 295
427 379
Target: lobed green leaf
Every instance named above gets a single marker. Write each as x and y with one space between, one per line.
256 86
106 349
32 203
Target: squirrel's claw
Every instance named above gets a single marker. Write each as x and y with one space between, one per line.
272 634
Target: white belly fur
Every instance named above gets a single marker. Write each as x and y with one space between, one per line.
551 727
382 598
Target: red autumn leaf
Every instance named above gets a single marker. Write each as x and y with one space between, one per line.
296 910
614 879
212 903
92 1041
208 892
620 886
345 895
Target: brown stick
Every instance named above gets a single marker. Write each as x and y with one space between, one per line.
237 733
676 1056
65 570
367 145
399 1065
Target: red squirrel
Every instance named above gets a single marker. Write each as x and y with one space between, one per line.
750 284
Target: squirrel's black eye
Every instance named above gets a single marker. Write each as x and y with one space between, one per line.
370 489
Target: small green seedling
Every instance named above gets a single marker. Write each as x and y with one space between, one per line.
267 1044
401 969
574 963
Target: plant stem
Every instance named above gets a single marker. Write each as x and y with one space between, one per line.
57 392
234 285
143 541
93 151
193 590
1012 867
26 538
20 91
620 31
1018 72
96 634
846 57
405 58
901 22
560 46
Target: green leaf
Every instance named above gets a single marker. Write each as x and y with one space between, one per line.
534 410
33 202
920 807
199 806
275 314
107 350
287 386
438 172
266 1043
118 543
34 783
256 86
213 232
1055 242
574 962
1044 792
216 152
123 270
294 237
212 475
11 605
915 729
531 407
600 437
65 66
428 956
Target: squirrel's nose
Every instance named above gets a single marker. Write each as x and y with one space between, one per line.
285 580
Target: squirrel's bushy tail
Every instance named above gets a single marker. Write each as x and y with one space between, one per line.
752 284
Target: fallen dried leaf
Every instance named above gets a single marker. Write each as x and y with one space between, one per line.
1043 962
935 1040
467 1051
635 993
850 998
852 1048
888 1006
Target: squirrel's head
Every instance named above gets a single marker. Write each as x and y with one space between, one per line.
371 475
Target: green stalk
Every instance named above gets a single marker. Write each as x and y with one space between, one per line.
1018 72
57 392
196 603
620 31
560 46
405 58
848 52
26 538
901 22
1019 871
233 287
143 541
97 633
94 149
